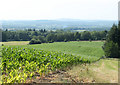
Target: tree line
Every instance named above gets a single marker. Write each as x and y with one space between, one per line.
45 36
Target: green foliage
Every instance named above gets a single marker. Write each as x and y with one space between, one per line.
18 64
119 34
86 35
4 36
56 36
111 49
113 34
65 40
111 46
78 39
34 41
50 41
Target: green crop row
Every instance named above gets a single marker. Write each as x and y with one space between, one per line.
20 64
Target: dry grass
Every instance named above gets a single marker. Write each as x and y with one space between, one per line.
16 43
103 71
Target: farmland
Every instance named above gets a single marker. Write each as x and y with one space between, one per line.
30 61
22 62
84 49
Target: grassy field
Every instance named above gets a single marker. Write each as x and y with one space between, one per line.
99 71
92 50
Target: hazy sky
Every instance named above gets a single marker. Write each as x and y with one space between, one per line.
56 9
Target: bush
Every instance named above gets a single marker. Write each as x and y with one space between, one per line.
65 40
78 39
34 41
51 41
90 40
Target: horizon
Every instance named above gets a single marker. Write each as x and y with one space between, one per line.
67 19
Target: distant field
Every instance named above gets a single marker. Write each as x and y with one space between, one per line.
79 30
85 49
16 43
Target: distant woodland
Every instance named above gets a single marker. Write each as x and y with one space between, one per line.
45 36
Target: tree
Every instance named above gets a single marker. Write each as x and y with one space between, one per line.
119 35
6 30
111 46
111 49
24 36
4 36
42 39
35 33
29 29
16 37
113 34
77 35
86 35
50 37
33 29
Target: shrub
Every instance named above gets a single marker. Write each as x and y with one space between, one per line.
78 39
34 41
51 41
65 40
90 40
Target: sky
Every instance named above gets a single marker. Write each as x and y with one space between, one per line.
58 9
